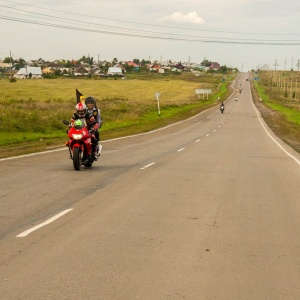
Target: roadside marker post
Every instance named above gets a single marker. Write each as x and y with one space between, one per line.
157 95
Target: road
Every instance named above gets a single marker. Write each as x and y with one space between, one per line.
205 209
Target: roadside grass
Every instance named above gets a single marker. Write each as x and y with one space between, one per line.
290 114
31 111
281 116
24 137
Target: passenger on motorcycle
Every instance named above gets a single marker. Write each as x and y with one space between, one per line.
88 118
95 111
222 106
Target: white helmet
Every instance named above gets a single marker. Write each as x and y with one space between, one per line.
81 109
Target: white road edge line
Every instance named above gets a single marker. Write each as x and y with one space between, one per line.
180 149
25 233
145 167
285 151
34 154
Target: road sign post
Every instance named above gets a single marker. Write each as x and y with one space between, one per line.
203 92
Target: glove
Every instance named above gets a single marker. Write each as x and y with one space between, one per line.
91 131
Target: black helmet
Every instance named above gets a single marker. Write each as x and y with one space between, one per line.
90 100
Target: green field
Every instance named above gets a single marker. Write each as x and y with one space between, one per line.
32 110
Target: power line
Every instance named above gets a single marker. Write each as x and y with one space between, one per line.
72 21
153 25
132 34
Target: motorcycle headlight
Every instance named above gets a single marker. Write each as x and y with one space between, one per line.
77 136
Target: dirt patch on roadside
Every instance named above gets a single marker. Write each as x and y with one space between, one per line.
284 129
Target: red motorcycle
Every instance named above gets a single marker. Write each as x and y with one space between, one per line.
80 145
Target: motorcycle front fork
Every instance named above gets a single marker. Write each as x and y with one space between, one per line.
71 154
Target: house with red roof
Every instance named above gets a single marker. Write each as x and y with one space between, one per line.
214 66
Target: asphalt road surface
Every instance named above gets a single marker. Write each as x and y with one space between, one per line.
208 208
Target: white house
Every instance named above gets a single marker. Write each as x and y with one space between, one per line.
4 65
36 72
114 71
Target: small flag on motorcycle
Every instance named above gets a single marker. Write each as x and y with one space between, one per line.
79 97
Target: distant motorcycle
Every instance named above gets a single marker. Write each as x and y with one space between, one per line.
80 145
222 108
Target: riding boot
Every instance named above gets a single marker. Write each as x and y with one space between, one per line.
98 150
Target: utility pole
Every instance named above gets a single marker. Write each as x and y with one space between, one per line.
98 66
10 62
275 64
89 64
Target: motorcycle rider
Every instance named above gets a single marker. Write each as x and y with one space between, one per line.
222 106
88 118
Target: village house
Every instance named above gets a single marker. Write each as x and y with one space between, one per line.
114 71
4 65
11 72
214 66
134 65
80 71
29 72
120 66
155 67
6 68
48 71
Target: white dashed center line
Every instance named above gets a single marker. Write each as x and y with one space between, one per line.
145 167
25 233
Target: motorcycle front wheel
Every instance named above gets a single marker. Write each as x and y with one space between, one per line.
77 158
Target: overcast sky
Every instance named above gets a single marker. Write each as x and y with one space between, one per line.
237 33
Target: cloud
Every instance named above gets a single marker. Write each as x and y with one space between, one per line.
180 18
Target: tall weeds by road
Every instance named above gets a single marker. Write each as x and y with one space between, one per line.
280 90
279 108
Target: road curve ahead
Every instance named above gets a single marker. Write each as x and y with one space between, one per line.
206 209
